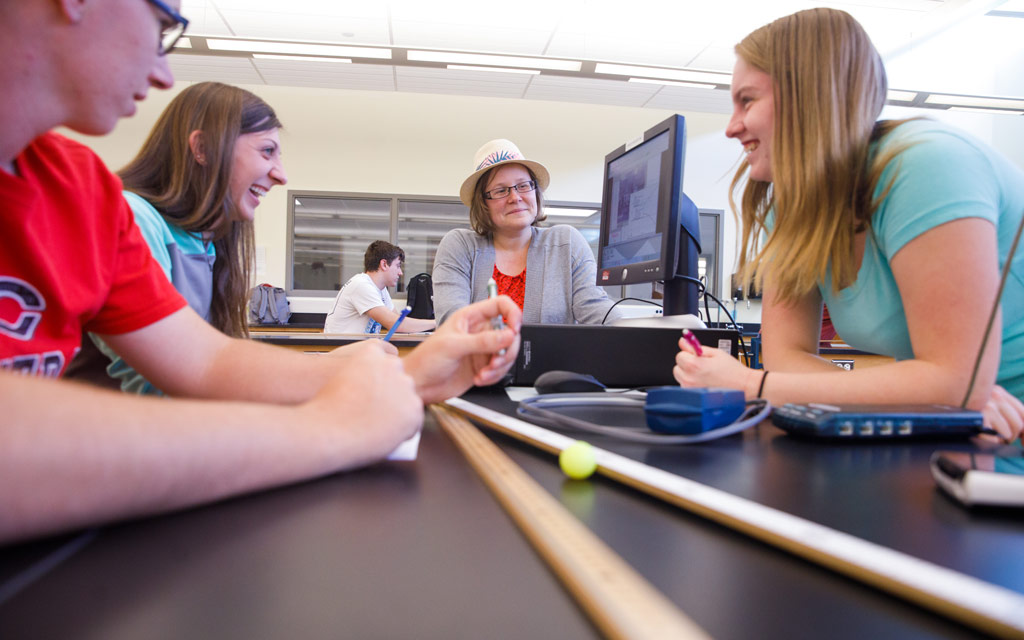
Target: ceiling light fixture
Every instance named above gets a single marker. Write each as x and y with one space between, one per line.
975 101
299 48
451 57
673 83
901 96
1005 112
466 67
683 75
272 56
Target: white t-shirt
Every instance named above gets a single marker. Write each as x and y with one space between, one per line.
358 296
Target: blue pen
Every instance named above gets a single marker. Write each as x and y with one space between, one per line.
394 327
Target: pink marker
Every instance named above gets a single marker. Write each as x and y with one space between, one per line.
692 339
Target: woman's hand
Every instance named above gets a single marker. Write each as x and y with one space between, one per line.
714 368
1004 413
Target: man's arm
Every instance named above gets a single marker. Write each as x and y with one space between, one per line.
387 317
184 356
73 456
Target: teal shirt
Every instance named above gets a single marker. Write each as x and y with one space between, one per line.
187 261
944 175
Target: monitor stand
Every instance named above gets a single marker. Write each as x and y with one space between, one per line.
683 321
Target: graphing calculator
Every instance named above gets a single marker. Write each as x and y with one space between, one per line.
871 421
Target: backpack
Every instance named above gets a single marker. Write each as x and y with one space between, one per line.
420 296
268 305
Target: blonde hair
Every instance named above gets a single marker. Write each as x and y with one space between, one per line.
829 87
480 215
194 195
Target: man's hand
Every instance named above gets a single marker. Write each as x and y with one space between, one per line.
464 351
367 409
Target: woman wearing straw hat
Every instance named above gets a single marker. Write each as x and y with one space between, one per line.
549 272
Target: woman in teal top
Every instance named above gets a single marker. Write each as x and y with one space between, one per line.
900 227
194 188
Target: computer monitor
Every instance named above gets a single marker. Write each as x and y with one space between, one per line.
650 230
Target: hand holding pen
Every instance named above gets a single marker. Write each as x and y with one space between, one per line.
394 327
497 323
693 342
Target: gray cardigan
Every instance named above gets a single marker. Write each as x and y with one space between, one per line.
561 276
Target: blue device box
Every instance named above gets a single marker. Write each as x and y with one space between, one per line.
692 411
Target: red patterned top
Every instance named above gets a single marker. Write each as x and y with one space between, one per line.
511 286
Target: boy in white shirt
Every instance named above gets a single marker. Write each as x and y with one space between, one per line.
364 305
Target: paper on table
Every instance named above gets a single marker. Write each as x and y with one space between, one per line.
407 450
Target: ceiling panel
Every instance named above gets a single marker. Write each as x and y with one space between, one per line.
364 77
684 99
501 39
477 83
931 49
587 90
218 68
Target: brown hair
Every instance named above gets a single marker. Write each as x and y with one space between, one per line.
829 87
195 196
480 215
380 250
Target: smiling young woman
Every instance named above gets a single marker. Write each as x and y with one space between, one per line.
194 188
897 226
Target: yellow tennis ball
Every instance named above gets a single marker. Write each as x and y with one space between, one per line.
577 460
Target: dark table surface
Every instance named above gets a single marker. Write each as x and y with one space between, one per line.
422 550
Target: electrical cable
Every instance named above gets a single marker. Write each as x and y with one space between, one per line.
995 308
530 409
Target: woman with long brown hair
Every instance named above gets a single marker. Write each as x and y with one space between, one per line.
194 188
900 227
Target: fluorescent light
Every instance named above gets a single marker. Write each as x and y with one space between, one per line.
683 75
1006 112
271 56
183 43
569 213
673 83
262 46
975 101
465 67
501 61
902 96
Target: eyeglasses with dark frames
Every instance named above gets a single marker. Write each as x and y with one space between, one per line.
172 27
502 192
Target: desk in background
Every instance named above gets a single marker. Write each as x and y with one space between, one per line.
318 342
422 550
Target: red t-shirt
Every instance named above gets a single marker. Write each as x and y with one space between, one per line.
511 286
71 258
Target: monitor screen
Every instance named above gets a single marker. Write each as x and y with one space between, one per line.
650 230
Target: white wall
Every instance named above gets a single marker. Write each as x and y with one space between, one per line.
423 144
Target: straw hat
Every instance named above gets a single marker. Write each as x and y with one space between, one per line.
496 153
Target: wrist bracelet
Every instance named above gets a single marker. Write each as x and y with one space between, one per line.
760 389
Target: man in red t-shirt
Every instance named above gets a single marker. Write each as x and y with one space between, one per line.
71 258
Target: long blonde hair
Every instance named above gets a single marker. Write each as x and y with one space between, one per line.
194 195
829 87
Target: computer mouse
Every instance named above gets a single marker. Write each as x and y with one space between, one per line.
566 382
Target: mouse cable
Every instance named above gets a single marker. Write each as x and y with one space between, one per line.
531 410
